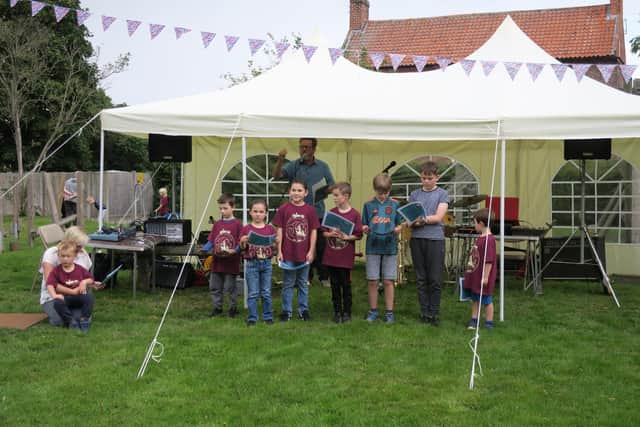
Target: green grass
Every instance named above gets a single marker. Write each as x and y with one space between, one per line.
569 357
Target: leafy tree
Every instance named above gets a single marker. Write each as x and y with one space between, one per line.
635 44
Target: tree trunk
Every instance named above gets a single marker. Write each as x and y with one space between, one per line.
30 208
80 199
17 192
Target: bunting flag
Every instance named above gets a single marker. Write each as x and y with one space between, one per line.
467 65
560 70
580 70
376 59
512 68
60 12
443 62
281 48
627 71
420 61
13 3
155 30
181 31
107 21
132 26
534 69
207 38
230 41
255 45
309 51
82 16
606 70
396 60
488 66
36 7
335 53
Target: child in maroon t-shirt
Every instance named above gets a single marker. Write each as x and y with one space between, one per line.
340 252
297 224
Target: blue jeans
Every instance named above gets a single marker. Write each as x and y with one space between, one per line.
298 278
258 276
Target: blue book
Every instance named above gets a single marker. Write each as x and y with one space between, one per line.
260 239
465 294
412 211
333 220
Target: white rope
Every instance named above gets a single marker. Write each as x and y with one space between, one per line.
155 341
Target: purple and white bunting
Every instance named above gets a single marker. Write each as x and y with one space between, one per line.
467 65
281 48
107 21
377 58
207 38
181 31
60 12
443 62
155 30
255 45
132 26
534 69
308 51
488 66
420 61
560 70
230 41
82 16
580 70
396 60
627 71
606 70
36 6
512 68
335 53
12 3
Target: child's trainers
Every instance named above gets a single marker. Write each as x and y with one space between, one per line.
84 325
473 324
285 316
488 324
305 316
372 316
389 318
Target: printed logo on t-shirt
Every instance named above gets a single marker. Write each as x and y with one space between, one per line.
224 242
71 283
337 244
297 228
474 259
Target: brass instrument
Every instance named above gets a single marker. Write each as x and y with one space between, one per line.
403 259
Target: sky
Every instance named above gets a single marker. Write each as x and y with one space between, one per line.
167 68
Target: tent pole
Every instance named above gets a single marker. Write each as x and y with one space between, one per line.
245 209
101 199
502 191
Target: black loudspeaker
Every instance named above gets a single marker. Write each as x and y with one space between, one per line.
587 149
566 265
168 148
167 274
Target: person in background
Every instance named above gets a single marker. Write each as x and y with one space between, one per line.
163 209
102 209
70 198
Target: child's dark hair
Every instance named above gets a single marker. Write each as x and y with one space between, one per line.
382 182
314 141
259 202
298 181
227 198
342 187
428 168
482 216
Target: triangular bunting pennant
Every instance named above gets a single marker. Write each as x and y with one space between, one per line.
627 71
606 70
60 12
560 70
255 45
281 48
467 65
13 3
155 30
534 70
488 66
231 42
443 62
36 6
107 21
82 16
396 60
420 61
512 68
376 59
132 26
181 31
308 51
580 70
207 38
335 53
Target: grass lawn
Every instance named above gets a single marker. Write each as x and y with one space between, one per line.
569 357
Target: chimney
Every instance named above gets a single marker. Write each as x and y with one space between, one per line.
359 14
615 7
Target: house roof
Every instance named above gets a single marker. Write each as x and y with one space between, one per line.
568 34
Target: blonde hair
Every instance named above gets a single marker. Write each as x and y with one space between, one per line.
76 236
67 246
382 182
162 191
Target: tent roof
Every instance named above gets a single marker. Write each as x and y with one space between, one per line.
346 101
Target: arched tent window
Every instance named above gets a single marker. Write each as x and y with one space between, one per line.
259 183
612 199
455 177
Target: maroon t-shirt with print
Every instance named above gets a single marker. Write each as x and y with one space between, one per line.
225 234
473 275
340 253
70 279
258 252
296 223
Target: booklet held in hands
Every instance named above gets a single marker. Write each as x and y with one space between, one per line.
332 220
412 211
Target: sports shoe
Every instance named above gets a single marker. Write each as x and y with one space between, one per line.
338 318
389 318
325 283
304 316
285 316
268 322
488 324
84 325
233 311
346 317
74 324
473 324
216 312
251 323
435 321
372 316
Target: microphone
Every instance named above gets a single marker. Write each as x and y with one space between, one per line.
389 166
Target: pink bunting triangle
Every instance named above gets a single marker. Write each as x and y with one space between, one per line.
376 59
36 7
309 51
627 71
606 70
230 41
132 26
82 16
443 62
207 38
155 30
181 31
535 70
580 70
512 68
488 66
60 12
335 53
396 60
12 3
467 65
420 61
560 70
255 45
281 48
107 21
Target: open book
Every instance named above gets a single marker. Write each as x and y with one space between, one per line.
333 220
320 191
412 211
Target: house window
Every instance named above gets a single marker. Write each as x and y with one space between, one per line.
612 199
455 177
259 183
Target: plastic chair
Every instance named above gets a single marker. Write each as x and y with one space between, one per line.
50 234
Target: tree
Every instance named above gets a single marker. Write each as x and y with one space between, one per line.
635 44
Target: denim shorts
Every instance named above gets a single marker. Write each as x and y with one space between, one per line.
389 267
486 299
